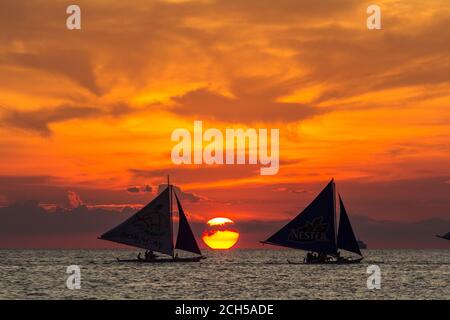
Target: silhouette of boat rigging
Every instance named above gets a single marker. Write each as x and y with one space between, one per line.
314 230
151 228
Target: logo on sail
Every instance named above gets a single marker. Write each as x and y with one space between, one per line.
153 222
310 231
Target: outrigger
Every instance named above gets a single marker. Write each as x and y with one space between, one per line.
151 228
314 230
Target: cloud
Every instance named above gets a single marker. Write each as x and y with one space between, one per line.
28 218
73 64
254 99
52 190
197 173
218 42
233 61
146 188
291 190
134 190
287 61
3 200
285 11
182 195
386 233
21 187
352 63
74 199
39 120
59 228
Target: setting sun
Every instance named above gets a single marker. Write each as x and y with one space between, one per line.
219 234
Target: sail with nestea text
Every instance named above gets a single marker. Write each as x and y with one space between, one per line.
185 239
346 237
150 228
314 229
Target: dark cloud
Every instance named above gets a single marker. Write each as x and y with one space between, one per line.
290 188
324 46
321 43
26 180
285 11
27 218
28 223
352 63
73 64
134 190
199 173
3 200
74 200
39 120
254 99
402 199
182 195
386 233
54 190
411 199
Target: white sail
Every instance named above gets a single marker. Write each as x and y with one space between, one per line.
150 228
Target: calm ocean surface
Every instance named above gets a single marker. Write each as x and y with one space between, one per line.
237 274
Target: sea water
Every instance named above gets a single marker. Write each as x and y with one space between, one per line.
234 274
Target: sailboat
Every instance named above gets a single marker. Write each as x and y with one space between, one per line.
151 228
445 236
314 230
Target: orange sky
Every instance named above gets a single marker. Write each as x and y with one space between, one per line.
92 111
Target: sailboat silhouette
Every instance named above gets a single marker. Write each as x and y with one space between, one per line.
151 228
314 230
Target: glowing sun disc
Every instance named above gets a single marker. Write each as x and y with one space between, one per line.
219 221
219 235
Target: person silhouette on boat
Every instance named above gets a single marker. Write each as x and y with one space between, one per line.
321 257
312 257
309 257
340 258
149 255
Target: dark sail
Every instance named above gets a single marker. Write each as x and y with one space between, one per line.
150 228
346 238
446 236
185 239
314 229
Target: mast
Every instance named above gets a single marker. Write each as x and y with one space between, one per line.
171 215
334 208
185 238
346 237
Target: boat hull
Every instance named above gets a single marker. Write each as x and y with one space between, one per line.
345 261
163 260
